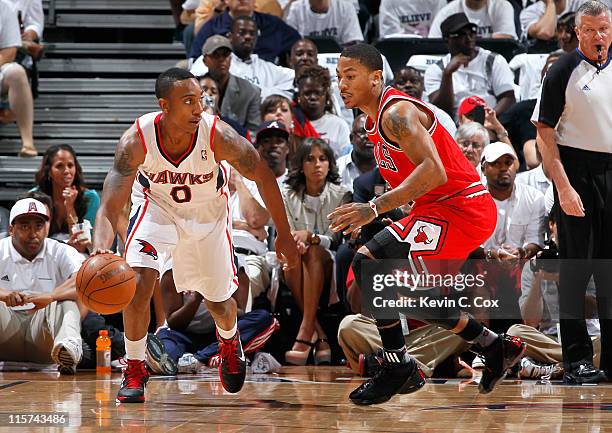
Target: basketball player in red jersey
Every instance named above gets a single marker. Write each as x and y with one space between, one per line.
452 215
171 162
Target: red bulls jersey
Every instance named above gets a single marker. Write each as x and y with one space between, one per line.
395 166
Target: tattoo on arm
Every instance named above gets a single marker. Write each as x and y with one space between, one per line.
238 152
123 160
399 124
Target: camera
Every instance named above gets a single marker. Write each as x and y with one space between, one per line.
547 259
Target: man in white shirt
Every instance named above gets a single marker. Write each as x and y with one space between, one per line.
268 77
407 18
518 235
468 70
39 318
336 19
361 159
14 80
493 18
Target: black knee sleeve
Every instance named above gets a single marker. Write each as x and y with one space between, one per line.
357 268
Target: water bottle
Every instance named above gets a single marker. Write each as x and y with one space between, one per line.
103 353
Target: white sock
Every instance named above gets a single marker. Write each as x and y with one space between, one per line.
136 349
228 335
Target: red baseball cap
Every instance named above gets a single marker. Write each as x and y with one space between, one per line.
469 103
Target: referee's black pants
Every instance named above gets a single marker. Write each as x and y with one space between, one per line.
585 248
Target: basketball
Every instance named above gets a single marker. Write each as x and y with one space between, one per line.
105 283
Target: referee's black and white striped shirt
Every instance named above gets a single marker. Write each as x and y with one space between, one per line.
576 100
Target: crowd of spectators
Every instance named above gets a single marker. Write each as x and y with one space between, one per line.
261 73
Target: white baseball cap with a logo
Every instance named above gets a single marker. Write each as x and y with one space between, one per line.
28 206
493 151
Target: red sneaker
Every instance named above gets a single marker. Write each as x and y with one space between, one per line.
135 378
232 369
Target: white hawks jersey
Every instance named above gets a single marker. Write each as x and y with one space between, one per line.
192 189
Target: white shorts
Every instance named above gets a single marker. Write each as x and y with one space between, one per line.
204 264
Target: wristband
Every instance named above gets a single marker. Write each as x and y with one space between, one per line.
373 207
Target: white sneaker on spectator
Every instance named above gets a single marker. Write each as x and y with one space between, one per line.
265 363
531 369
188 364
478 363
67 354
119 364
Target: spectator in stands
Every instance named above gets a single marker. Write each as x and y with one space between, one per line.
210 87
361 159
277 107
540 20
39 318
305 53
472 138
410 81
32 25
237 99
566 35
468 70
14 80
275 37
271 79
60 176
272 141
522 132
398 18
519 233
475 109
313 101
492 18
335 19
190 329
313 190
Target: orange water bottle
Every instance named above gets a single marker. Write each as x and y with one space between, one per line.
103 353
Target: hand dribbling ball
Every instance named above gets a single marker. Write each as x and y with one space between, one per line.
105 283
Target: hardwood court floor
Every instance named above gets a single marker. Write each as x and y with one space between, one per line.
299 400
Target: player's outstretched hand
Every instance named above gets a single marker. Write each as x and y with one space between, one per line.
287 252
101 251
351 216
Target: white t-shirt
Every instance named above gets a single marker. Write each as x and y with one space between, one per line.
270 78
55 263
533 13
409 17
335 130
340 22
32 15
473 79
9 26
496 17
530 73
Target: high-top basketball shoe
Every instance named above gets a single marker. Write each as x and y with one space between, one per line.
232 369
133 383
398 374
499 357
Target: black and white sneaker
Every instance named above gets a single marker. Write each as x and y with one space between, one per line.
398 374
499 358
157 359
585 372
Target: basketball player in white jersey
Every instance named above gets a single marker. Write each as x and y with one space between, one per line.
170 161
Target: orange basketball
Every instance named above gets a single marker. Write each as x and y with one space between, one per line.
105 283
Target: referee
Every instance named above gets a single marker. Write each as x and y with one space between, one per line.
573 117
